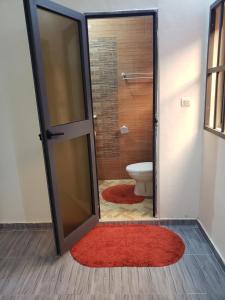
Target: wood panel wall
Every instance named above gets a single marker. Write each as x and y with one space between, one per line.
132 43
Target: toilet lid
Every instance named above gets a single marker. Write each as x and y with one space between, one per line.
140 167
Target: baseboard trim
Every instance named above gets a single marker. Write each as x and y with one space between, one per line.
157 221
214 249
22 226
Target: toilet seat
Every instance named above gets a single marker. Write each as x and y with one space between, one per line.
140 167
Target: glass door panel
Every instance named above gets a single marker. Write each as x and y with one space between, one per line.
73 182
60 45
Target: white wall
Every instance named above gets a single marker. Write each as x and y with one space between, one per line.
182 52
182 55
23 192
212 200
212 204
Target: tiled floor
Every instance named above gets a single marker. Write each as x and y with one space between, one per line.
29 270
123 212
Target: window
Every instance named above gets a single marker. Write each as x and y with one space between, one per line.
215 91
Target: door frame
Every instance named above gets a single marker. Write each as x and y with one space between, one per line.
138 13
30 6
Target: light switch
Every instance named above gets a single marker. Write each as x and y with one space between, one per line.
185 102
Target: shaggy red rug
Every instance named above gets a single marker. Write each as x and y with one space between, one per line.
121 193
133 245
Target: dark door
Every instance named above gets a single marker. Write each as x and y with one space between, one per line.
59 52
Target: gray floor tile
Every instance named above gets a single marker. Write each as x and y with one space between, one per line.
195 243
29 269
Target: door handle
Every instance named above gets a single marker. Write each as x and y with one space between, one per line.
50 134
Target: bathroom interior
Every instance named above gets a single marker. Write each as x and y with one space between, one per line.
121 53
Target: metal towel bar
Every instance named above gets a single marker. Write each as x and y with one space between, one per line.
134 76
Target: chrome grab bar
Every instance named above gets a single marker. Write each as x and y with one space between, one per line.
134 76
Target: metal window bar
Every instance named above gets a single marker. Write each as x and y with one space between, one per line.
135 76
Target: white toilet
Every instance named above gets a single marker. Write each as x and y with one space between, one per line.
142 173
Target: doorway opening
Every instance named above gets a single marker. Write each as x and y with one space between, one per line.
123 57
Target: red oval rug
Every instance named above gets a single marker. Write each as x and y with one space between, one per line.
121 193
131 245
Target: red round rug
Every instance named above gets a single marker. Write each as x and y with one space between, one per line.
132 245
121 193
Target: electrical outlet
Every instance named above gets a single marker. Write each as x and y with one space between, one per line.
185 102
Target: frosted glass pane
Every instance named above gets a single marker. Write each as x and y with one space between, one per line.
73 182
60 45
